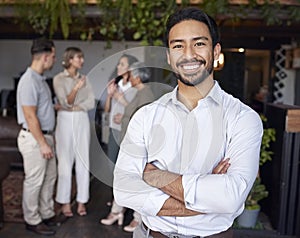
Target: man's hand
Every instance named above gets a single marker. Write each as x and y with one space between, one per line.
46 151
222 167
171 184
160 178
57 106
30 113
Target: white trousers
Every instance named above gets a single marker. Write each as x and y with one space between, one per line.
72 146
40 177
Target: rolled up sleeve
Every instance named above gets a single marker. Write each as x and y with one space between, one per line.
226 193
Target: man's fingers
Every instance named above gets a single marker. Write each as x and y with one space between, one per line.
225 168
222 167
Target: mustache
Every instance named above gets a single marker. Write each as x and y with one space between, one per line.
185 61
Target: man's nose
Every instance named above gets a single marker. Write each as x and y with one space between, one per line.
189 52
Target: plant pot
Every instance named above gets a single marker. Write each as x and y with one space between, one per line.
248 218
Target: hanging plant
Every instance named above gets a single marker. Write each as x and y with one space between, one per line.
148 20
59 13
268 10
111 18
214 8
39 21
34 14
144 20
46 15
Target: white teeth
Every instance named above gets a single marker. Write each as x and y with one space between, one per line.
190 67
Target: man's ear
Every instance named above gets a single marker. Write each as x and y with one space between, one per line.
45 57
217 51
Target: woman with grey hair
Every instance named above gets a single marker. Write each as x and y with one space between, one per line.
139 76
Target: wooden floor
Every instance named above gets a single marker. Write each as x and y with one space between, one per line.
89 226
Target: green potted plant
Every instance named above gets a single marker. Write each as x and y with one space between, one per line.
258 192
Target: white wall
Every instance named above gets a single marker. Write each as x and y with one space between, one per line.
15 58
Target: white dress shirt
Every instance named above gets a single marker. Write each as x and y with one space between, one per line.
190 143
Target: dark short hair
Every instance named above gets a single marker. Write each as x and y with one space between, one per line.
41 45
192 13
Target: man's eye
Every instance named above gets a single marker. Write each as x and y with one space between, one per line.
177 47
199 44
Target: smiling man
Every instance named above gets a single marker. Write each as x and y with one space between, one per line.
189 159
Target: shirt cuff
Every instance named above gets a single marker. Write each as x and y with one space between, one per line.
189 188
154 202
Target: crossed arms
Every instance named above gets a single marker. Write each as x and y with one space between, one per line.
171 184
138 184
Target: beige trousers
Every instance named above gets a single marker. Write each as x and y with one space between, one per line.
40 177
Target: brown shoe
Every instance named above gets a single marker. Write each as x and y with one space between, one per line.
41 229
56 220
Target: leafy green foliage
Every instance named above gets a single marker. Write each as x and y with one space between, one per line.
47 15
258 191
148 20
59 13
144 19
258 226
214 8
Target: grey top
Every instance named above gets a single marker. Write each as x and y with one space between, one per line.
142 97
33 90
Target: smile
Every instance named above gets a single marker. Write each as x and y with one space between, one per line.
191 67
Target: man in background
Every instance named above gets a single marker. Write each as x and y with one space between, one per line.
35 140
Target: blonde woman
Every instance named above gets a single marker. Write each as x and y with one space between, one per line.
75 95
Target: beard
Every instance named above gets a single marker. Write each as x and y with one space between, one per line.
196 78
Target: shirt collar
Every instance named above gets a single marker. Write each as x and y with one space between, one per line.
66 72
39 76
214 94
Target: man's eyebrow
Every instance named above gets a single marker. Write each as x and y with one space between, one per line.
176 41
200 38
193 39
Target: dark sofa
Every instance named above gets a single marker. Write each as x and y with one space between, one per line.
10 158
